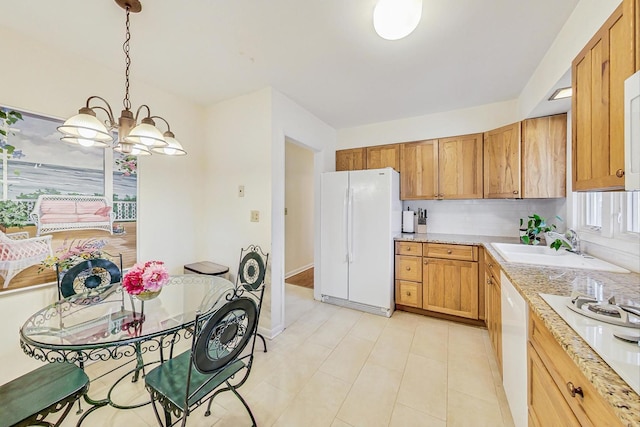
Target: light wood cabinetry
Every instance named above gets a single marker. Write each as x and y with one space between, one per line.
598 74
526 159
557 387
502 162
419 164
448 278
383 156
493 310
450 287
544 157
447 168
408 274
351 159
460 167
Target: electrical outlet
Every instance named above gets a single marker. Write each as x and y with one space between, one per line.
255 216
241 191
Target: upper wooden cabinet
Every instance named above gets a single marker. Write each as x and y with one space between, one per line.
448 168
460 167
351 160
598 74
544 157
502 162
526 159
419 177
383 156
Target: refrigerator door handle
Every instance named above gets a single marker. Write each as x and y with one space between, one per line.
345 223
350 227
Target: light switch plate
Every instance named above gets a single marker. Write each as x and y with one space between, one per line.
255 216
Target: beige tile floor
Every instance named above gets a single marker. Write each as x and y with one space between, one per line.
338 367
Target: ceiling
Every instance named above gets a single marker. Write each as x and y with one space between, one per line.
323 54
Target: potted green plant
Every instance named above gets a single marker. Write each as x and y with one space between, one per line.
13 214
536 227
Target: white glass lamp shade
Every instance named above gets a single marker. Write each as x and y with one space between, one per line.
133 149
173 148
146 135
86 130
395 19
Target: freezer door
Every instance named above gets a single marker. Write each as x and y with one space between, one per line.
333 234
371 246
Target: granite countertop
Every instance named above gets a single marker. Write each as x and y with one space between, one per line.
530 280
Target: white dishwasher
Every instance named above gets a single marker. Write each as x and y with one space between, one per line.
515 316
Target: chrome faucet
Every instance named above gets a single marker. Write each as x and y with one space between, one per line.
570 239
574 240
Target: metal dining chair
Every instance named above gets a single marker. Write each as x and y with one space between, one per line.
183 383
91 274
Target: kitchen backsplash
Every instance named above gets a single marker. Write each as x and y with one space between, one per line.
486 217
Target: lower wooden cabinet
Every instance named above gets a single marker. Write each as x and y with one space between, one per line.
547 407
437 277
557 387
450 287
493 307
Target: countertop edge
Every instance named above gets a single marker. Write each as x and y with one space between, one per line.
624 401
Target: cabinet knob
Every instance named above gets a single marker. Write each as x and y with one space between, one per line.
619 173
488 280
490 265
408 248
436 195
407 268
441 195
408 293
425 262
515 191
449 251
574 390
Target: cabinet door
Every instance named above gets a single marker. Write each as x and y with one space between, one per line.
351 160
544 157
502 162
493 307
460 167
598 74
450 287
547 406
419 164
384 156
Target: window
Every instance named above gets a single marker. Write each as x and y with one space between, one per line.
592 210
620 211
632 220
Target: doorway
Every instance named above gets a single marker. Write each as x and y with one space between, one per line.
299 228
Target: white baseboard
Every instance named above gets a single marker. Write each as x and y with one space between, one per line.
297 270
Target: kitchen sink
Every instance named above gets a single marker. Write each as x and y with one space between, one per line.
543 255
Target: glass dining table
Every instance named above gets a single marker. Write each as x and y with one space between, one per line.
108 324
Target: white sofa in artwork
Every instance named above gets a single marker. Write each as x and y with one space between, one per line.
19 251
53 213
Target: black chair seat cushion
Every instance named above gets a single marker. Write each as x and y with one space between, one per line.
170 379
38 392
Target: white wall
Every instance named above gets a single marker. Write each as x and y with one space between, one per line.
291 120
438 125
299 199
40 80
490 217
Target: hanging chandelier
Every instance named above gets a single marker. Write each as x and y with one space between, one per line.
137 139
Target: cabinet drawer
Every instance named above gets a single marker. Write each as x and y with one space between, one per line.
409 268
409 293
409 248
492 267
590 410
440 250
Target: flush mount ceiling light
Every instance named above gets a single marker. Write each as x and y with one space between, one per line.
395 19
138 139
564 92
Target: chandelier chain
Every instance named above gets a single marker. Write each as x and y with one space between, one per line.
125 46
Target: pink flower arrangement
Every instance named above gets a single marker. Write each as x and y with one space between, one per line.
150 276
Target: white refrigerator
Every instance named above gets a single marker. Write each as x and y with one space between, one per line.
359 216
